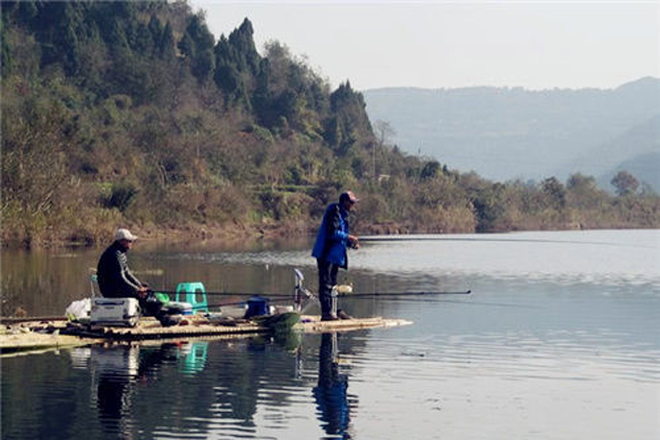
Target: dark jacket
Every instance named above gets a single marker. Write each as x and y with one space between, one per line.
332 238
115 278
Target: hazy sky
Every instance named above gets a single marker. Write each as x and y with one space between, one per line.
536 45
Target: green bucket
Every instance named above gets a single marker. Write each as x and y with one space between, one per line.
162 297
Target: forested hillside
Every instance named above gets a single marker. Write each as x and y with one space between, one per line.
133 113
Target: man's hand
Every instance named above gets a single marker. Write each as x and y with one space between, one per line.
142 291
353 241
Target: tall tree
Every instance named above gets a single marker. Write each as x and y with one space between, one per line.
624 183
237 63
197 45
348 123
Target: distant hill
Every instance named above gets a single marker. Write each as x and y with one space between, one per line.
636 150
506 133
645 167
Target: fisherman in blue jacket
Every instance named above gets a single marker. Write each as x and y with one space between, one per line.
330 251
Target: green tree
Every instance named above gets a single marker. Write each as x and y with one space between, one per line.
489 206
155 28
583 192
144 42
348 124
197 45
430 170
166 43
554 192
237 63
624 183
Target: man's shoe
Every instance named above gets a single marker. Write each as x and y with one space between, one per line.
343 315
329 318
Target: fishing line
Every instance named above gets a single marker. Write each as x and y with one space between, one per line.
496 240
472 303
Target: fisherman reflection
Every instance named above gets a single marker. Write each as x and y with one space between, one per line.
118 368
331 392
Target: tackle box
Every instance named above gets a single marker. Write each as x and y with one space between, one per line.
115 311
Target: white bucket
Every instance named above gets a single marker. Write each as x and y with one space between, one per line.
275 310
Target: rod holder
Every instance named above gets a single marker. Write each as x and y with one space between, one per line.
333 295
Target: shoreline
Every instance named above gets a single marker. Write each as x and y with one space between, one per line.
234 234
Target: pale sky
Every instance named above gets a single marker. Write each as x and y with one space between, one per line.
535 45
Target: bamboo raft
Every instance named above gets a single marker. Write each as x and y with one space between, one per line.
61 334
32 342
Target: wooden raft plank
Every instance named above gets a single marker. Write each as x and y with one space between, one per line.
153 330
196 326
33 341
313 324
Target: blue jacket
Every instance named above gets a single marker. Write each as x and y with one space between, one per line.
332 237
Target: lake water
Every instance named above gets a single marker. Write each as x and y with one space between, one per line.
559 339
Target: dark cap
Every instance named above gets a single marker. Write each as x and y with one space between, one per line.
348 195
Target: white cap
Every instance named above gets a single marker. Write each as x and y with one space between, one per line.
125 234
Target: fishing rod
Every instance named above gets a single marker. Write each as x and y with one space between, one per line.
341 295
171 292
238 303
286 296
399 294
413 299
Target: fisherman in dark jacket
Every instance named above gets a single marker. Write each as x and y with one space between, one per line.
117 281
115 278
330 251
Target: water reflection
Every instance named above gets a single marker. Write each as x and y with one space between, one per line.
114 368
194 389
122 373
331 393
194 357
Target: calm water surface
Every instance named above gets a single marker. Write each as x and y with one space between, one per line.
558 340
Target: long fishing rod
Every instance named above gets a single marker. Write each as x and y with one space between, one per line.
402 296
341 295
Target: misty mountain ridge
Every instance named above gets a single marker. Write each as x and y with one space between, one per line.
644 167
624 152
513 133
